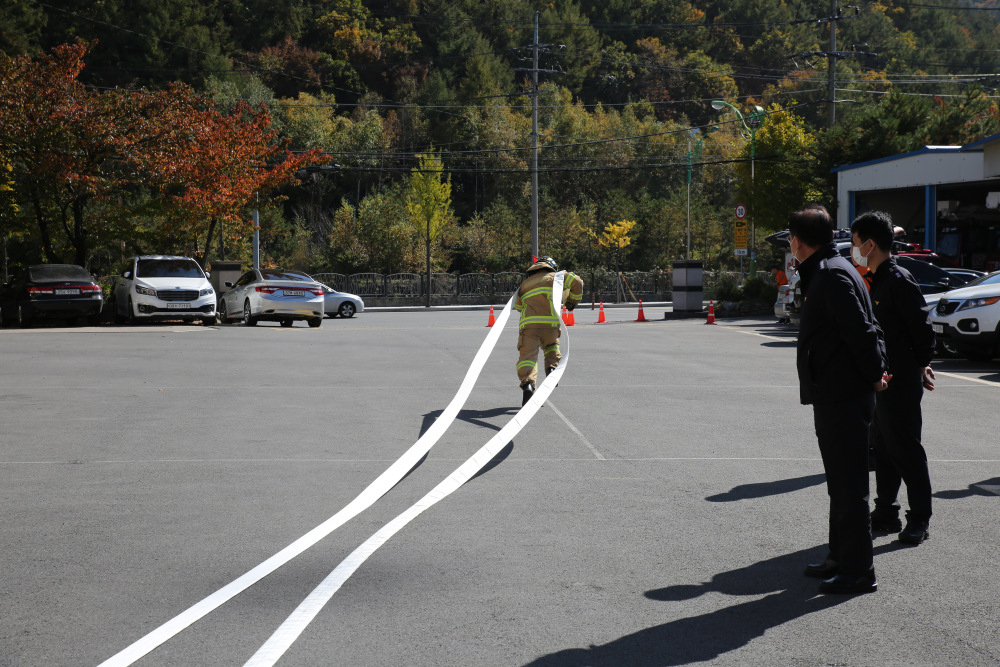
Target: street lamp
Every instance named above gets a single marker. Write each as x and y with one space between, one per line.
748 130
693 155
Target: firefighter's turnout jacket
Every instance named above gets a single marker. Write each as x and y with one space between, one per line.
539 325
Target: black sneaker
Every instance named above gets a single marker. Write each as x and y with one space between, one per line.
914 533
845 584
886 521
825 570
527 391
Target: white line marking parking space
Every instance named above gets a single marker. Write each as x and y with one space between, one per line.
580 435
966 377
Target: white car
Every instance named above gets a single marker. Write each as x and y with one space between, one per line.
163 287
274 295
342 303
967 320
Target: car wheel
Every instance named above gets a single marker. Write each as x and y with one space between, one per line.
23 319
208 321
978 355
286 323
130 317
315 322
223 315
248 318
946 349
347 309
4 321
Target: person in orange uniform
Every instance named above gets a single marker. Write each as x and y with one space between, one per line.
540 323
779 276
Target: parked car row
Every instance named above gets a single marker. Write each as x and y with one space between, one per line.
964 305
163 287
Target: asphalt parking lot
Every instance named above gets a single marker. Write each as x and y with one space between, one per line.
665 521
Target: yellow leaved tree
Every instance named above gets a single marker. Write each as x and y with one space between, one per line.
428 203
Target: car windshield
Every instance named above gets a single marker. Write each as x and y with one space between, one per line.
58 272
283 275
992 279
168 268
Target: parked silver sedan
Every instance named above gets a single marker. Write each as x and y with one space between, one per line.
342 303
272 295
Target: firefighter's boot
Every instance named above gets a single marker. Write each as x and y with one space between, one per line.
527 391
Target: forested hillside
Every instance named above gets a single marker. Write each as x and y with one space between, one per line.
372 86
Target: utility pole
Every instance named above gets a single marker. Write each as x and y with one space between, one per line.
833 55
256 239
832 62
534 142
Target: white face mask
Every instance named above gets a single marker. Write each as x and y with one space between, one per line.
792 249
859 259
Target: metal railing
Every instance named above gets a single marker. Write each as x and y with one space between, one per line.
599 285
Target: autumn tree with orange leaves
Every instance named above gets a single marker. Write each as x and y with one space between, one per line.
71 147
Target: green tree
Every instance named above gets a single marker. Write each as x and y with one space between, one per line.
429 203
781 180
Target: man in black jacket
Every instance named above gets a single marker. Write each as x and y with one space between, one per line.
909 346
841 364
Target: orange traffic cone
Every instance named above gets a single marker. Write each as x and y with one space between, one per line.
711 312
570 318
564 318
642 316
600 316
493 320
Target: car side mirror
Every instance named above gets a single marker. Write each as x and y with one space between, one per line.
128 274
228 284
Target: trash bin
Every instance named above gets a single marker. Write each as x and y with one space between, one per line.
687 285
223 272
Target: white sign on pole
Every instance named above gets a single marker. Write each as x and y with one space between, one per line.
741 251
741 211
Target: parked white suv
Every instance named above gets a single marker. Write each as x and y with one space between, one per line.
967 320
163 287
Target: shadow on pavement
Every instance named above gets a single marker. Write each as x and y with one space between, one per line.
470 416
495 461
783 343
764 489
993 489
789 595
700 638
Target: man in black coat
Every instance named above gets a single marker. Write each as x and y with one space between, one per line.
909 346
841 364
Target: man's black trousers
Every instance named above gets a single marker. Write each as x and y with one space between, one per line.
899 456
842 429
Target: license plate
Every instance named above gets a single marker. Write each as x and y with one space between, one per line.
179 306
67 291
938 328
294 292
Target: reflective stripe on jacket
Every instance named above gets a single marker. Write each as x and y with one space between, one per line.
534 299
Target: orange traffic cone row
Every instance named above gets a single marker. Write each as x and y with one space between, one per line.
600 316
642 316
711 312
570 318
493 320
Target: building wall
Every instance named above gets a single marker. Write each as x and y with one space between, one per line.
933 168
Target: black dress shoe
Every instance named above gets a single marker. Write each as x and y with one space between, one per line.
915 532
527 391
845 584
885 521
824 570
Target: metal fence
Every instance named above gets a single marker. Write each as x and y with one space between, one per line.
599 285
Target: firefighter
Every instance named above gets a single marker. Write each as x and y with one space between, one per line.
539 325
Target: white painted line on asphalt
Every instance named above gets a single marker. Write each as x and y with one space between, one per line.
582 437
393 474
289 631
965 377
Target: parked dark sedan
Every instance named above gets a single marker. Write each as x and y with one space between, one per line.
48 292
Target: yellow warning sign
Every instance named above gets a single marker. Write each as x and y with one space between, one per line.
740 234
